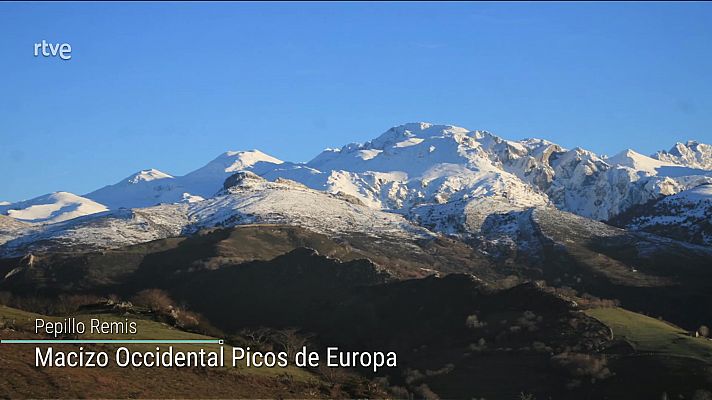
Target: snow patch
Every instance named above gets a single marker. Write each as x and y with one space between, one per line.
53 207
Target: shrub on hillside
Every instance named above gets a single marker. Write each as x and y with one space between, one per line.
584 366
155 299
473 322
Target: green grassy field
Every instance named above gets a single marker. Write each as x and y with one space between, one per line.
649 335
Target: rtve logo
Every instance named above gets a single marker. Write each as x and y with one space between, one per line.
61 50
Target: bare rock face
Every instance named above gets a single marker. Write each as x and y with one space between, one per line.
349 198
239 178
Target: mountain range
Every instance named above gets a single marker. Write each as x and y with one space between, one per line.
499 268
441 179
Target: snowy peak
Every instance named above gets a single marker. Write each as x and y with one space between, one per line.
208 180
692 154
414 130
143 189
53 207
420 164
152 187
240 160
411 148
631 159
233 161
414 148
147 175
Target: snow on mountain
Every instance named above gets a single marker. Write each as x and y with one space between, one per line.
412 165
648 166
151 187
414 168
4 203
631 159
142 189
686 215
206 181
420 165
448 179
112 229
695 196
53 207
247 199
691 154
11 228
190 198
147 175
254 200
387 153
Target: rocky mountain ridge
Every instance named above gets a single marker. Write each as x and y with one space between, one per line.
416 177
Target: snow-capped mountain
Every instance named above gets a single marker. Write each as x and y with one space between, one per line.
151 187
250 199
423 165
686 215
142 189
414 168
113 229
638 162
691 154
51 208
443 178
207 180
247 200
413 165
147 175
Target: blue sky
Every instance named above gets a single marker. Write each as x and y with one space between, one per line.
172 85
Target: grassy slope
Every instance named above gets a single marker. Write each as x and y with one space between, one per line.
666 359
649 335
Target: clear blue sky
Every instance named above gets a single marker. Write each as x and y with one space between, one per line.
170 86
